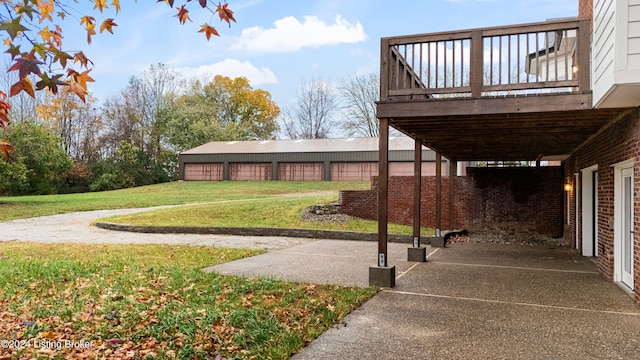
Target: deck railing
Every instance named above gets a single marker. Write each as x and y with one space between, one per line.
524 59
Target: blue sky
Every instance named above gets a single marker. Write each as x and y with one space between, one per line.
280 44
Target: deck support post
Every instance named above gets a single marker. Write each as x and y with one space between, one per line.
453 166
417 253
438 240
383 275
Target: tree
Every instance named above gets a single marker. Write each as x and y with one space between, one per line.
35 42
312 115
245 113
23 106
5 108
73 120
123 170
131 115
39 162
189 120
360 93
224 109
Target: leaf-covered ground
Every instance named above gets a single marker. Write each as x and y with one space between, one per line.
154 302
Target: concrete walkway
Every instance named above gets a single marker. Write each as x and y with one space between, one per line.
470 301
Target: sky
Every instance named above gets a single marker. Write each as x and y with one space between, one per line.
281 44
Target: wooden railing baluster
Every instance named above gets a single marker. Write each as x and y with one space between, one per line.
529 61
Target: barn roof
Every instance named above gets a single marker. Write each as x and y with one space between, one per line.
300 146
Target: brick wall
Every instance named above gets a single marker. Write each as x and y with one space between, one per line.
487 199
360 203
619 142
585 10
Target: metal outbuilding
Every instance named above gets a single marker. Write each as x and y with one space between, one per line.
301 160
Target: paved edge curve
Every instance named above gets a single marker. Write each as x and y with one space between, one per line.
296 233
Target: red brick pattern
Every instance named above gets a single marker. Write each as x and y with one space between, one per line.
509 200
585 9
619 142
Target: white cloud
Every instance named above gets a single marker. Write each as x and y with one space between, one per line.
232 68
289 34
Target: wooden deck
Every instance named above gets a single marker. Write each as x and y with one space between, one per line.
519 92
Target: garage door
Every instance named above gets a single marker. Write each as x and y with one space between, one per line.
301 171
406 169
362 171
250 172
203 172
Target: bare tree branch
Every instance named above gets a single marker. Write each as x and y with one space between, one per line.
360 93
312 115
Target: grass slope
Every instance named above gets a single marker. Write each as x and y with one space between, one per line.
281 212
181 192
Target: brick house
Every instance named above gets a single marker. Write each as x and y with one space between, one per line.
564 90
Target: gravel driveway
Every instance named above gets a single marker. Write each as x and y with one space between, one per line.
75 228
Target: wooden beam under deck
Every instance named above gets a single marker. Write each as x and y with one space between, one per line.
510 136
429 108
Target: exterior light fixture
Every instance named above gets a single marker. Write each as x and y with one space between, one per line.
574 69
568 187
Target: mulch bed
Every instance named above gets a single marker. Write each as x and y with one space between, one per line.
328 218
507 238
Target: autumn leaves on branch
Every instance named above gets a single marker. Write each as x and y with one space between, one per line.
34 41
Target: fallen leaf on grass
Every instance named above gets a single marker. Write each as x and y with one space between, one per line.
114 341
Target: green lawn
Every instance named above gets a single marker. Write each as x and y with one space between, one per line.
267 213
154 302
162 194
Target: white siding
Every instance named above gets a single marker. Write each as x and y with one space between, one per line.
634 29
616 53
635 59
633 49
603 50
634 46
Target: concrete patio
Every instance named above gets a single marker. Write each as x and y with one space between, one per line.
470 301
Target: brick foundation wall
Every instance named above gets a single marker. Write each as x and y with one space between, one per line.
619 142
487 199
